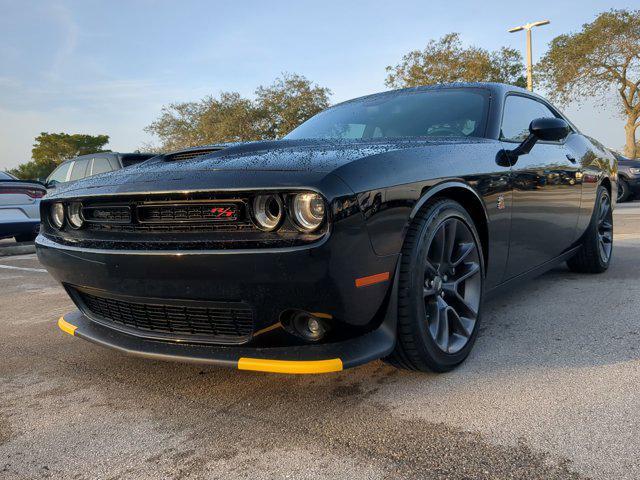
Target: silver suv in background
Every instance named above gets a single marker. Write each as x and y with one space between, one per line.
19 207
92 164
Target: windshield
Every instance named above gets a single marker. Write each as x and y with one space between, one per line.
430 113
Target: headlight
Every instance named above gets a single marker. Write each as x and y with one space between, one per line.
74 215
308 210
635 171
57 215
267 211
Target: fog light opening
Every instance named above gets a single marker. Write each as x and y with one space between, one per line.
304 325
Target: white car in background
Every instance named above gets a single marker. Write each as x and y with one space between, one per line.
19 207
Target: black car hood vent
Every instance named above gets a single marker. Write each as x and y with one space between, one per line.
189 154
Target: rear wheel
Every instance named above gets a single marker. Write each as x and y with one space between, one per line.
624 192
595 253
440 289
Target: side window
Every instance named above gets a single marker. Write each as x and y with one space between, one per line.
518 114
80 168
100 165
114 163
59 175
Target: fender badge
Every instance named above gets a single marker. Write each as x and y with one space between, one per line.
501 204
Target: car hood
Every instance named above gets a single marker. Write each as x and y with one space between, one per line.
246 165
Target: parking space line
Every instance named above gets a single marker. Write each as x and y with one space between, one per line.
26 269
28 256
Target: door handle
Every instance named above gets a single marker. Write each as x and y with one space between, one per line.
571 159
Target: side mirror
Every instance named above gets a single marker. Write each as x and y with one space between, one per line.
549 129
545 129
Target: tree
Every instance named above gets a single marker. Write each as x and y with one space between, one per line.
445 60
276 110
50 149
605 54
229 118
287 102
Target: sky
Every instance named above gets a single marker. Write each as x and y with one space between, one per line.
108 67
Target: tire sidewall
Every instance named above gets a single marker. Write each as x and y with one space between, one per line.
425 344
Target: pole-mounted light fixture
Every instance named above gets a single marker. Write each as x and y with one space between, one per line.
528 28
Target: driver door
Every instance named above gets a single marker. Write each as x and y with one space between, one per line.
546 190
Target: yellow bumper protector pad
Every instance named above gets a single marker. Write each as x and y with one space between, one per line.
288 366
66 326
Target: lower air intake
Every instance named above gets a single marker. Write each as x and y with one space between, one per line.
198 322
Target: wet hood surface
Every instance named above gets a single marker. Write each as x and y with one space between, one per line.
307 158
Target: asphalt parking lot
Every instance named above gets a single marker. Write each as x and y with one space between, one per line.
550 391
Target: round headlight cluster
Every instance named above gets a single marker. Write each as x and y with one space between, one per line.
74 214
268 211
57 215
308 210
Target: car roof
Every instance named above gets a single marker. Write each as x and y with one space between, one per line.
498 89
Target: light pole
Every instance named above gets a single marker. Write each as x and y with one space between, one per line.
528 28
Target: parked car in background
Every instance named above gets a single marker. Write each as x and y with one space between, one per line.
92 164
19 207
628 178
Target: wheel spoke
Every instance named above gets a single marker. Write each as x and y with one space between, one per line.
459 302
473 270
439 246
450 236
428 292
464 325
430 268
442 337
465 251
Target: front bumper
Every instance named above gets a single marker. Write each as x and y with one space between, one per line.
340 279
308 359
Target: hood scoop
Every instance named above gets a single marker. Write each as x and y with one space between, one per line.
190 154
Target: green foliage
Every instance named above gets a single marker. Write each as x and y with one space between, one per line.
288 102
603 55
445 60
50 149
276 110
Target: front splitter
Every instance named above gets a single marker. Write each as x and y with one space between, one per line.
307 359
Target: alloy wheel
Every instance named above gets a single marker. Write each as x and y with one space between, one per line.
452 285
605 229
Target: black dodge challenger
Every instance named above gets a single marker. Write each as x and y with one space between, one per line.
373 230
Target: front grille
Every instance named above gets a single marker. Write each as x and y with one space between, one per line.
199 322
187 212
107 214
170 217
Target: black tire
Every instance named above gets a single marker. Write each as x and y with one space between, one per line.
624 191
26 237
596 251
421 345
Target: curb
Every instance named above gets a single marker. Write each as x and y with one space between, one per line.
17 249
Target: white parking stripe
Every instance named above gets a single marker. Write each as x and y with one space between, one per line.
30 256
11 267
